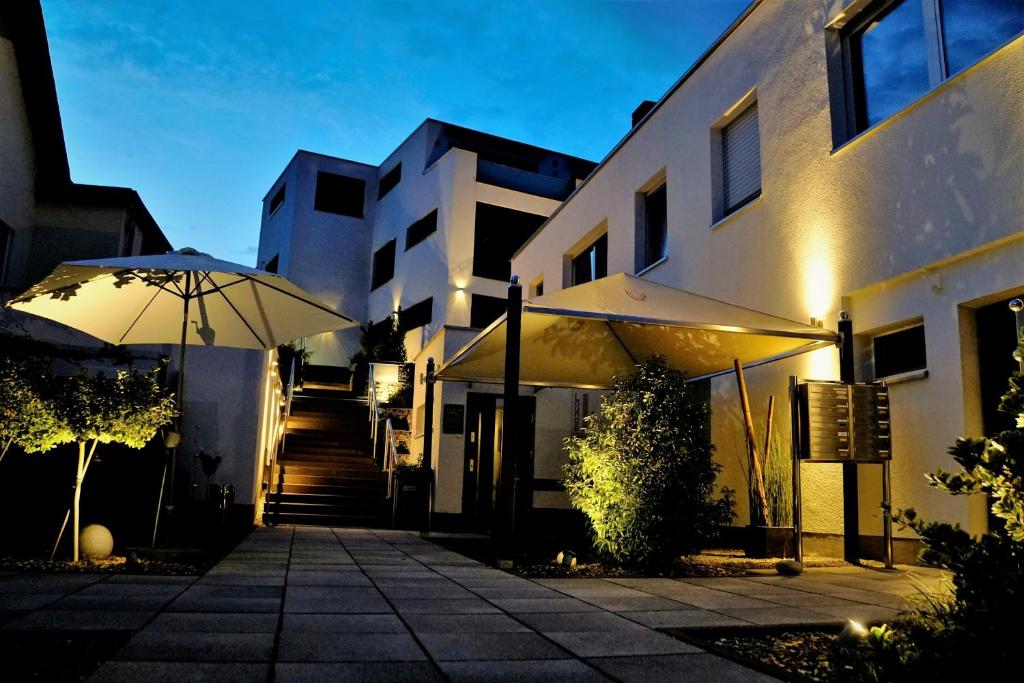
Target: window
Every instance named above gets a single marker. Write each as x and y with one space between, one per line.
276 201
6 237
895 54
383 265
499 232
272 264
899 352
974 28
538 289
592 262
389 181
484 310
652 237
339 194
741 160
420 230
417 315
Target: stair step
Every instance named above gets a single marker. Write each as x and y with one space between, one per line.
326 458
361 468
331 489
367 481
376 506
361 521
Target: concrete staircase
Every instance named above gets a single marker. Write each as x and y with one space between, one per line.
326 475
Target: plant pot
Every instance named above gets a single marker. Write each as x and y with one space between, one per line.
769 541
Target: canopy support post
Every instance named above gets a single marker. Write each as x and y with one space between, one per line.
180 395
851 512
428 441
507 525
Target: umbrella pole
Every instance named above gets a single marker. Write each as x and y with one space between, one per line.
181 389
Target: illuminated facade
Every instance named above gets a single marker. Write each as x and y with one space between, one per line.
429 233
796 170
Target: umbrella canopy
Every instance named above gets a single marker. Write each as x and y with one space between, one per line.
584 336
145 299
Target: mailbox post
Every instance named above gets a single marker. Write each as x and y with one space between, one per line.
836 422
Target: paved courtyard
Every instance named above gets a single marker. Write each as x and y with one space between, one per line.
309 604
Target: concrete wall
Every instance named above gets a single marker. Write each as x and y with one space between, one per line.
831 229
17 160
324 253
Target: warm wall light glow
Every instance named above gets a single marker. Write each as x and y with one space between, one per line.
817 258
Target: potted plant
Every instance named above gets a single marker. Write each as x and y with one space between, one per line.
774 537
770 532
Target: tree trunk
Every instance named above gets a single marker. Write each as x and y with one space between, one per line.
79 475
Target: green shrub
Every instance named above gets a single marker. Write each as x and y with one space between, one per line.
976 632
642 472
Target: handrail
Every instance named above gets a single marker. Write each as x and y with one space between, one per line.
279 449
390 455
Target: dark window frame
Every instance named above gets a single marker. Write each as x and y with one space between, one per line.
598 267
645 246
846 84
389 181
732 207
496 242
6 244
421 230
414 317
377 278
483 307
336 194
902 351
277 200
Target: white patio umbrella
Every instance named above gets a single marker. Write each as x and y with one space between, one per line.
182 297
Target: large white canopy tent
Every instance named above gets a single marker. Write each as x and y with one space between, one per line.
584 336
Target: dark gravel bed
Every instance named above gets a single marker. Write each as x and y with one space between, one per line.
801 655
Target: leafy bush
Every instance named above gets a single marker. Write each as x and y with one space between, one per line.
643 473
26 417
977 631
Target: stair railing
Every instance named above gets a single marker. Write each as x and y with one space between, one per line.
390 455
276 452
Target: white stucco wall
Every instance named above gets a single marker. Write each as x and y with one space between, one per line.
17 162
324 253
941 178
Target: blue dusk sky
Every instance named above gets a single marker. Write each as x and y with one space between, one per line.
199 104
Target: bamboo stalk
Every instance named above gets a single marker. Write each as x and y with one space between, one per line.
748 428
768 432
60 535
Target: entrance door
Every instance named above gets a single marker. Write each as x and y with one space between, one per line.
485 422
997 333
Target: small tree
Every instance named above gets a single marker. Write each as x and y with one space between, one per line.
643 472
127 408
26 418
380 343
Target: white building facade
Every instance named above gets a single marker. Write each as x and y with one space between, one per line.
428 234
826 156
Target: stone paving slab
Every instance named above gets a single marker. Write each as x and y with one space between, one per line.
541 671
176 672
357 672
347 604
675 668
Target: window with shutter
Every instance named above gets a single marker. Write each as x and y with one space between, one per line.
741 160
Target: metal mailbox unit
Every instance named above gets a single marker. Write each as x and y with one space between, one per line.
837 422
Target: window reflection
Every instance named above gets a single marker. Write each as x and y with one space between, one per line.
974 28
890 54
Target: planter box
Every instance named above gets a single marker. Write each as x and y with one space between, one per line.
769 541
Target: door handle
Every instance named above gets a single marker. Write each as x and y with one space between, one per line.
472 462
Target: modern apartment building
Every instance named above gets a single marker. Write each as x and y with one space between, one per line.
865 156
429 234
